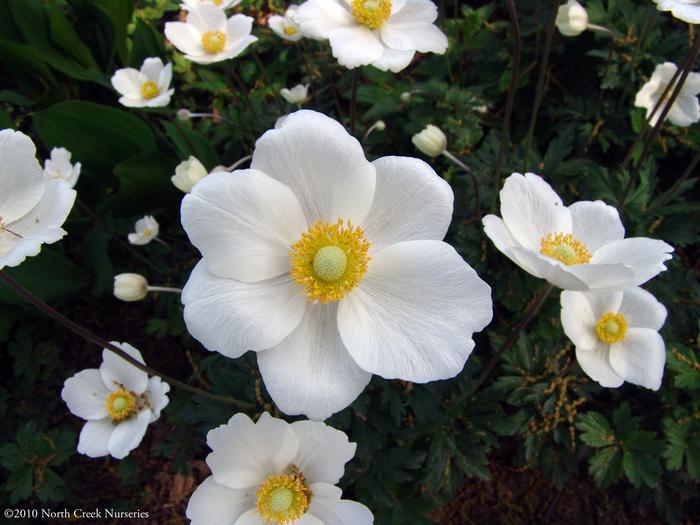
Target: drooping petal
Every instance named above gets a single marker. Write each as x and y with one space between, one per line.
546 268
323 451
644 257
327 506
355 46
578 320
394 60
317 18
214 504
184 37
21 177
640 357
642 310
94 437
595 224
127 434
119 373
596 364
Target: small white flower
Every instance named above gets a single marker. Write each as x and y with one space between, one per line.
431 141
686 10
187 174
274 473
580 247
147 229
685 109
118 401
32 208
148 87
207 36
572 18
617 336
60 167
383 33
284 26
130 287
297 95
187 5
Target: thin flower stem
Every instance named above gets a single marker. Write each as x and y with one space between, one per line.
353 101
161 241
89 336
164 289
601 29
473 178
668 196
239 162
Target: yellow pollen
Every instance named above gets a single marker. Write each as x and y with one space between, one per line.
218 2
149 90
283 498
371 13
147 233
213 41
290 30
611 328
329 260
565 248
120 404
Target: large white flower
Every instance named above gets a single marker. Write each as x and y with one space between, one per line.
383 33
686 10
285 26
147 87
59 167
275 473
617 336
146 230
223 4
207 36
369 287
580 247
685 109
118 401
32 209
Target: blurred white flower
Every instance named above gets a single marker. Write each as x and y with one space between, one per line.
148 87
383 33
284 26
297 95
60 167
207 36
617 336
187 174
147 229
32 208
580 247
430 141
572 18
118 401
382 294
275 473
685 109
686 10
130 287
223 4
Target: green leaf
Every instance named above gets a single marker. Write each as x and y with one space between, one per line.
63 34
187 139
597 432
147 43
640 467
144 184
606 466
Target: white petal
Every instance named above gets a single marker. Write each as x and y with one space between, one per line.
355 46
323 451
414 312
94 437
311 372
165 77
21 177
602 277
152 68
414 13
596 364
685 111
324 166
640 357
245 453
127 434
238 27
117 371
547 268
595 224
496 230
243 223
214 504
411 202
578 320
133 102
604 302
184 37
317 18
425 38
207 16
157 395
232 317
642 310
331 510
644 257
394 60
277 23
128 82
85 394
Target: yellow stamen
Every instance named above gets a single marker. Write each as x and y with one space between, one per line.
213 41
611 328
371 13
218 2
149 90
147 233
290 30
329 260
565 248
283 498
120 404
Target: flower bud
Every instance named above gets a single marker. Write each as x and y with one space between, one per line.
130 287
406 97
431 141
187 174
380 125
184 114
572 18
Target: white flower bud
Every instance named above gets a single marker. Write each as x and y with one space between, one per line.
184 114
187 174
431 141
130 287
572 18
406 97
380 125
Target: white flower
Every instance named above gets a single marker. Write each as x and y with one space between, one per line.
187 174
284 26
207 36
297 95
686 10
130 287
60 167
32 209
369 287
383 33
273 473
147 229
572 18
118 401
148 87
685 109
580 247
223 4
431 141
617 336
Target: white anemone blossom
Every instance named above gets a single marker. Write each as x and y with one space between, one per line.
297 95
617 336
147 229
275 473
284 26
223 4
685 109
686 10
207 36
383 33
32 208
59 166
330 267
118 402
148 87
580 247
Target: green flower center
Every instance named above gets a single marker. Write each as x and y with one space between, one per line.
330 263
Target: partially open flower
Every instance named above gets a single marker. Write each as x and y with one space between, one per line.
431 141
297 95
685 109
148 87
147 229
686 10
60 167
284 26
572 18
130 287
187 174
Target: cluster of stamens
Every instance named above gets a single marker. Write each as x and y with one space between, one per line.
290 30
121 404
213 41
611 328
371 13
565 248
149 90
283 498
